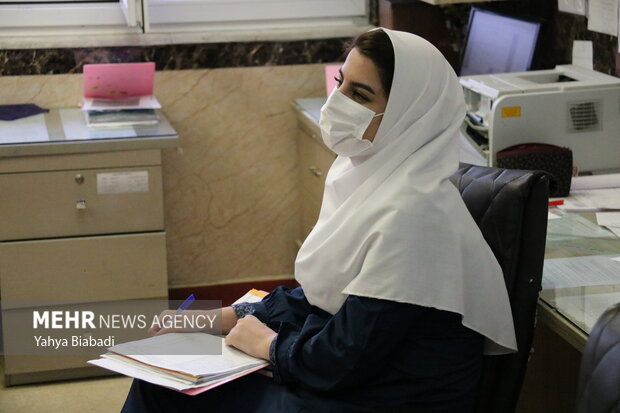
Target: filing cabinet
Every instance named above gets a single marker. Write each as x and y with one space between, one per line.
315 160
84 227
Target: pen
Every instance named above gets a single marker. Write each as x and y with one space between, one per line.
188 301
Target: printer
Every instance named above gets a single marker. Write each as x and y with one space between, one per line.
568 106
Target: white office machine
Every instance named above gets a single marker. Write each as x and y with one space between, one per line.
568 106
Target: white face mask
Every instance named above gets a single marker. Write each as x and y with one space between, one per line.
343 123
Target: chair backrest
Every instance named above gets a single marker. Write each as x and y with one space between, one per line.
599 376
510 207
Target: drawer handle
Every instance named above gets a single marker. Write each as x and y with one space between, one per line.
315 170
79 178
80 204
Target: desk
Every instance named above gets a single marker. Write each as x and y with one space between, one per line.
572 312
82 220
565 318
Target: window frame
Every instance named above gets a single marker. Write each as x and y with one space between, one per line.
56 25
51 15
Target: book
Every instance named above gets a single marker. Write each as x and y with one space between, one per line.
120 118
180 363
132 103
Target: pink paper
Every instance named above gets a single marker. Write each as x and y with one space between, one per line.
331 73
118 80
197 390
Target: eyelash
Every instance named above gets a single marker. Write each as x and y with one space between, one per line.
356 94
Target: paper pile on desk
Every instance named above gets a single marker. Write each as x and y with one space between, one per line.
593 193
119 95
610 220
571 226
586 271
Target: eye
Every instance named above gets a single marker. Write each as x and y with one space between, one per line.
359 96
338 80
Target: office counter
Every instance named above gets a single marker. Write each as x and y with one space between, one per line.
566 315
82 220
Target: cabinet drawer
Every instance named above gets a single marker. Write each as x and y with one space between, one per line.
86 269
315 161
41 364
80 202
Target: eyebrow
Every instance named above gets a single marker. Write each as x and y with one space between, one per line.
358 84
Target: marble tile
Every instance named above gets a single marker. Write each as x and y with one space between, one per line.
46 91
230 190
232 209
173 57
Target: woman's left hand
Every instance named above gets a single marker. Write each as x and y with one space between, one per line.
251 336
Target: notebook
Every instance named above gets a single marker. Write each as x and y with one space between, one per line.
118 80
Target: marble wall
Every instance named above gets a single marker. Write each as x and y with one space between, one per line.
173 57
232 208
231 188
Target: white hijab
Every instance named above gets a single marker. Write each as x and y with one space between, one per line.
392 226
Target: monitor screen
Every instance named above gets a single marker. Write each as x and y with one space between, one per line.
498 43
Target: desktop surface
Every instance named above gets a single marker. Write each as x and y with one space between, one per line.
64 130
580 278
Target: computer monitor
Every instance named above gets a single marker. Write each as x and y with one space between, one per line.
498 43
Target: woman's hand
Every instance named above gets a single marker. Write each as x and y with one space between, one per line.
251 336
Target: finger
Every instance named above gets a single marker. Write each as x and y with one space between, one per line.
230 339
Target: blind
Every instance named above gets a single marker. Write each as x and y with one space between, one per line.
178 11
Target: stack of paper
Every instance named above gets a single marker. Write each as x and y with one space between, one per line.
178 360
118 118
593 193
175 366
119 95
611 220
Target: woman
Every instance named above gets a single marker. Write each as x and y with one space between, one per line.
400 295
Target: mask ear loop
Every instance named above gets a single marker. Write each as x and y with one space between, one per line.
378 114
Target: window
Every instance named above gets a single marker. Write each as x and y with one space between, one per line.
69 17
75 17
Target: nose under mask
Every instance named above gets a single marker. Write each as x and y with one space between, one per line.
343 123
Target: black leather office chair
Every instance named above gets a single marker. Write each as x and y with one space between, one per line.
599 376
510 207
